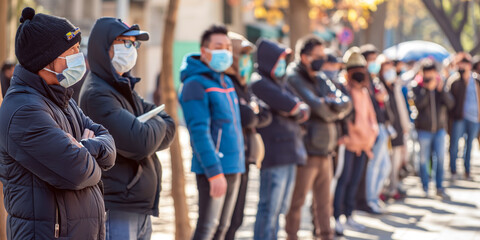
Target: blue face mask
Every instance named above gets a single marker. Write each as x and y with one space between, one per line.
332 75
74 72
245 65
280 69
373 68
221 60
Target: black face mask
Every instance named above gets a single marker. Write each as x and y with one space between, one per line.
358 76
461 71
427 80
317 64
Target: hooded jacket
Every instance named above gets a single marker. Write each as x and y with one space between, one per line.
283 137
321 138
133 184
51 185
212 114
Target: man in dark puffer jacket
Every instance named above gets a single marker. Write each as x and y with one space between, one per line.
132 187
51 154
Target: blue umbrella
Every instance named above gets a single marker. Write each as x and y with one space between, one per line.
416 50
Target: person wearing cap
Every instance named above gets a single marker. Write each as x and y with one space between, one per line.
327 105
51 155
132 186
332 65
212 114
465 115
432 102
284 148
253 114
362 133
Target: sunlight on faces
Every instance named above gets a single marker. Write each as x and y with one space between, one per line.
318 52
216 42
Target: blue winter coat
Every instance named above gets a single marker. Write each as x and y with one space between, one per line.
283 138
211 111
51 185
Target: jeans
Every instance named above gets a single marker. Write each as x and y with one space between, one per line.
276 187
315 176
378 168
397 156
237 217
432 145
214 214
122 225
469 130
347 185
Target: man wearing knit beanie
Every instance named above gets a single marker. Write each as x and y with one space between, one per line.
132 186
51 154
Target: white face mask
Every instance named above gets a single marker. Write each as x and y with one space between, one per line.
124 58
390 75
74 72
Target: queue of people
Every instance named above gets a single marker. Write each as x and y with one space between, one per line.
334 126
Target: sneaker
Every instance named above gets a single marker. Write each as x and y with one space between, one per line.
468 177
338 228
453 177
443 195
374 208
354 225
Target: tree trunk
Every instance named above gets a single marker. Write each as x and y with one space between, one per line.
299 21
169 97
375 33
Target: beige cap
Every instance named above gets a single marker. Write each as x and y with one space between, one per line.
353 58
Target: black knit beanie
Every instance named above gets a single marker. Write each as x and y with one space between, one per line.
42 38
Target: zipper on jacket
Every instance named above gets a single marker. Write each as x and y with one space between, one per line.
57 224
219 141
433 106
224 85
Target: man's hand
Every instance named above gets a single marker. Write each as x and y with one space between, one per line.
74 141
440 85
87 134
218 186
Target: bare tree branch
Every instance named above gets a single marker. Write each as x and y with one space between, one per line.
464 19
455 8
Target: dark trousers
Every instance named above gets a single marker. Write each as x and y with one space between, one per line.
214 214
237 218
347 184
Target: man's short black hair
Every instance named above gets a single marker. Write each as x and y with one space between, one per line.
214 29
7 65
307 44
428 65
368 49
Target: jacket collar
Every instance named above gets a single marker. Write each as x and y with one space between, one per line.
56 93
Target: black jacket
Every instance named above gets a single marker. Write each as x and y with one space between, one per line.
48 180
250 119
432 108
458 89
4 83
283 137
327 104
133 184
395 120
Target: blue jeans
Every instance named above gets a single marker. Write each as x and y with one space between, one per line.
276 188
128 226
469 130
347 185
432 145
378 168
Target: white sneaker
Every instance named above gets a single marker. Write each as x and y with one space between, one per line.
376 209
354 225
338 228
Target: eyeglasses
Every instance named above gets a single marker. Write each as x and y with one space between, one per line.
129 43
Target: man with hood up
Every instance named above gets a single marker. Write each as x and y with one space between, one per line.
51 154
132 187
212 114
284 148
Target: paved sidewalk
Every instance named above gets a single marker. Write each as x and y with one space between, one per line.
415 217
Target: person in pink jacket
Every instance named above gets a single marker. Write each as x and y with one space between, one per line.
362 133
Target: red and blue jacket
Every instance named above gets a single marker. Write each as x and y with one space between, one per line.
212 115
